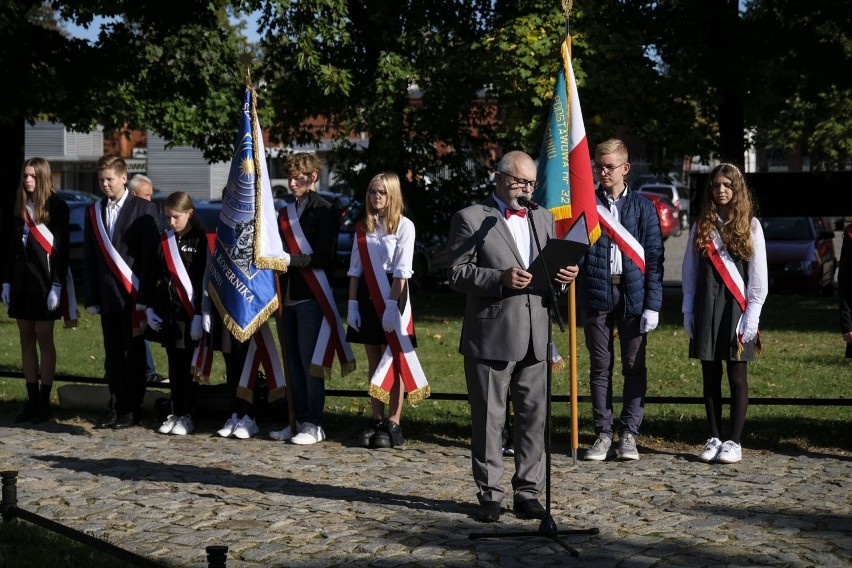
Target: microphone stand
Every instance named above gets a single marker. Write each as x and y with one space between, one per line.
547 528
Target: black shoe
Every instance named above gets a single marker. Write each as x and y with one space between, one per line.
488 512
107 420
530 509
381 439
395 432
368 433
126 420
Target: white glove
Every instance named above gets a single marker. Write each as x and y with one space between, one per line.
286 258
748 327
6 293
206 323
155 321
53 297
390 319
94 310
353 316
195 329
648 321
688 323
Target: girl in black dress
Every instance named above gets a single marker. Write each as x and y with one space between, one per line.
725 283
171 292
35 271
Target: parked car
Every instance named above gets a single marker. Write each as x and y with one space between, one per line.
350 214
670 192
72 195
76 220
668 213
800 253
431 260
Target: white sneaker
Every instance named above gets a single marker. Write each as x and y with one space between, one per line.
711 450
308 434
246 428
284 435
731 452
183 426
227 430
167 426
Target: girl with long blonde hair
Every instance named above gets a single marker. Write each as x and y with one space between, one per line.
390 235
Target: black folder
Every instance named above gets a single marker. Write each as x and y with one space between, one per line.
556 254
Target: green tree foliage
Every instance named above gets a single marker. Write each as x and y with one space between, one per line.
176 74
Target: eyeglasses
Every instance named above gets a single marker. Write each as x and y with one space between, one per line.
300 179
606 170
376 192
521 182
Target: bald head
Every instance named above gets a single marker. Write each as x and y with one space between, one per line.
141 186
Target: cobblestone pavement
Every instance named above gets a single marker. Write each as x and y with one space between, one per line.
336 504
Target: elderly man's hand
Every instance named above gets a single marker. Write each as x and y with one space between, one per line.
515 278
567 275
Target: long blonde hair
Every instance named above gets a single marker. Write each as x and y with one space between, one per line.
395 207
43 190
736 227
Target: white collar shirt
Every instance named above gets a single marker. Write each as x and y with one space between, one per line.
113 208
520 229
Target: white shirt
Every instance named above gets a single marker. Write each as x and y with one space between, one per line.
520 229
616 204
113 208
396 252
758 276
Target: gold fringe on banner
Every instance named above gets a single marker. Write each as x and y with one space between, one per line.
379 394
417 396
245 394
276 394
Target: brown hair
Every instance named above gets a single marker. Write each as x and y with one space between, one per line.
179 201
736 228
389 181
43 190
115 163
303 163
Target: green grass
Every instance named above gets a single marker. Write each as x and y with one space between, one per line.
802 358
23 545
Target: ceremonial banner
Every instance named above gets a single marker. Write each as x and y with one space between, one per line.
248 248
565 182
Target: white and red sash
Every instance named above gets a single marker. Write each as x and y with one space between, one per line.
721 260
626 242
262 353
68 296
202 362
332 338
180 277
399 356
116 264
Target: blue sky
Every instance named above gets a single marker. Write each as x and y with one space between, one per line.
91 33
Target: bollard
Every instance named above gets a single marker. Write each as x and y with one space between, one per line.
217 555
10 494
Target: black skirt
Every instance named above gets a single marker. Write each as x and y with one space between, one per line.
371 332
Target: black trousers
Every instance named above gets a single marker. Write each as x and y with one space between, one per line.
124 357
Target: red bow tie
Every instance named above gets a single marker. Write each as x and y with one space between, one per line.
519 212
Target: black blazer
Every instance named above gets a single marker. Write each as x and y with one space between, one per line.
320 221
134 238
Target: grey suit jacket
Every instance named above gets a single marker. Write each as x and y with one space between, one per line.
498 322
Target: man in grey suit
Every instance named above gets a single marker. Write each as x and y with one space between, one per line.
504 336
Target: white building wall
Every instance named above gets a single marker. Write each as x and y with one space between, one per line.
183 168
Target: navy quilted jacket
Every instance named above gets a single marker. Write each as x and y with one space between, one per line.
641 292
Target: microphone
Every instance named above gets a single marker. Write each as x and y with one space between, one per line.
525 201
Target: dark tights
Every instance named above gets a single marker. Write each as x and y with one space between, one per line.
234 362
738 382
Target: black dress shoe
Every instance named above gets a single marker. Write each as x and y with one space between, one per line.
126 421
107 420
488 512
530 509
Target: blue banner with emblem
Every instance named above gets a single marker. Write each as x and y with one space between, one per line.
247 253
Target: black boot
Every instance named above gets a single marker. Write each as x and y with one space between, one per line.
32 402
42 412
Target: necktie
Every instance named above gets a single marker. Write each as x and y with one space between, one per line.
519 212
